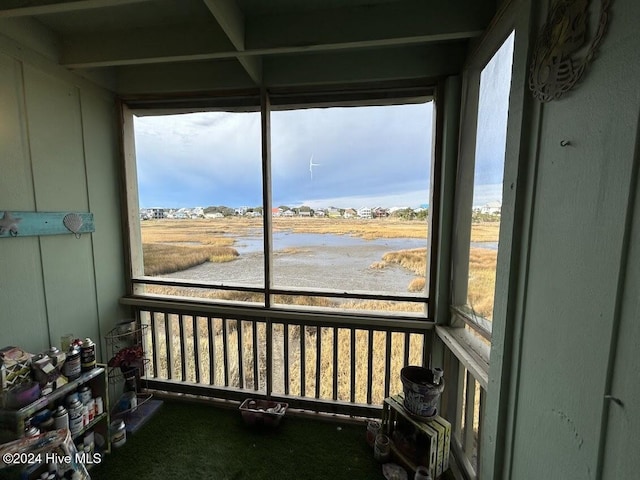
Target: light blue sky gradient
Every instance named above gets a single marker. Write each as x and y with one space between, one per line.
364 156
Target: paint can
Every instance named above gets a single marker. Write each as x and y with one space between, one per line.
118 433
71 367
76 419
85 394
88 355
61 418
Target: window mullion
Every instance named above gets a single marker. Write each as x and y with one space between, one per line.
265 137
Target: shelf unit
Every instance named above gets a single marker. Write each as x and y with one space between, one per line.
15 420
127 335
95 379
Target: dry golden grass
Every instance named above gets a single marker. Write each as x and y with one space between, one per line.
220 232
209 333
485 232
417 284
292 251
200 231
160 259
414 260
482 281
203 238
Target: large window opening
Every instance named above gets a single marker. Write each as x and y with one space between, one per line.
345 214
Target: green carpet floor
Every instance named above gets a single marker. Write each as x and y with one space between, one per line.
195 441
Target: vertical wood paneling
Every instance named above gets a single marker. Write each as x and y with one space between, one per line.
101 160
55 137
24 317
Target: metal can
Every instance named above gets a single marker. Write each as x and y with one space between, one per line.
76 420
84 393
71 367
61 418
99 406
88 355
118 433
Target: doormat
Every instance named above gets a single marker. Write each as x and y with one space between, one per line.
135 420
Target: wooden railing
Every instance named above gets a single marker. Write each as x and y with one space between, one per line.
465 362
333 363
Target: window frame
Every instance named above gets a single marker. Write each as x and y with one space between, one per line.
266 102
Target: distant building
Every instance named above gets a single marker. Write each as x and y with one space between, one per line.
158 213
349 213
364 212
491 208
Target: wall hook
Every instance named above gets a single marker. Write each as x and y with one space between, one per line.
565 143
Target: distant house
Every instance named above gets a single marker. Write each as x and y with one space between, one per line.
158 213
288 213
213 215
320 213
491 208
333 212
350 213
380 212
276 212
364 212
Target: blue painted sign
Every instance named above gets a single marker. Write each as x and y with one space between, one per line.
27 224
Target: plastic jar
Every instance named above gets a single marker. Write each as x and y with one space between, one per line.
422 473
118 433
373 428
382 448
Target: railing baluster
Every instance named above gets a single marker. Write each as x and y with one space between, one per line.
225 352
407 348
212 350
269 327
285 333
303 360
183 353
240 356
318 359
480 421
387 363
469 408
352 355
369 365
154 346
168 343
256 356
196 348
335 363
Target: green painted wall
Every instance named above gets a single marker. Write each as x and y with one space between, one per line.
576 274
59 153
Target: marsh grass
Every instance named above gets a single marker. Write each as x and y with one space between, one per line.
177 245
160 258
482 281
204 345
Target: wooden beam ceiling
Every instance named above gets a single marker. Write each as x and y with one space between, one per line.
12 8
215 42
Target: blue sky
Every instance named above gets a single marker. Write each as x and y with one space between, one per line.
364 156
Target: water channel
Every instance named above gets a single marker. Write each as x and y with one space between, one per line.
310 260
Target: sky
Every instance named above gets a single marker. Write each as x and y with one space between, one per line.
342 157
